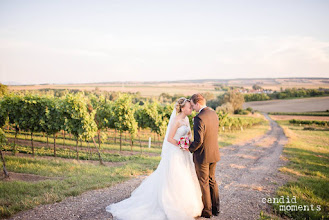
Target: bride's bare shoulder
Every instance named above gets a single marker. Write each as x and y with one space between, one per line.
178 122
175 121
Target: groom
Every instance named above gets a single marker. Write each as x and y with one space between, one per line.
205 151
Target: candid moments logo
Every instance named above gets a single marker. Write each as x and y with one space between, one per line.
287 204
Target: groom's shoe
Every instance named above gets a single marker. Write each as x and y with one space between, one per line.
205 215
215 211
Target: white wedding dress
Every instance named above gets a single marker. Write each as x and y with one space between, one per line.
171 192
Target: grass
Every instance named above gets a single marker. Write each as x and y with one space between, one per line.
323 113
308 155
236 137
71 153
109 134
155 146
267 216
76 178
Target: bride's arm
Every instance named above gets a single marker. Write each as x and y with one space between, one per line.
172 133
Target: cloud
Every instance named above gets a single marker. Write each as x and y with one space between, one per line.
110 57
297 54
304 48
10 44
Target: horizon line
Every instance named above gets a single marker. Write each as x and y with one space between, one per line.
160 81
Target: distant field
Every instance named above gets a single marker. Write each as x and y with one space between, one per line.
188 87
145 89
299 117
290 105
317 113
284 83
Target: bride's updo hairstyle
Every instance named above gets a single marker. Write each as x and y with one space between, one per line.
180 104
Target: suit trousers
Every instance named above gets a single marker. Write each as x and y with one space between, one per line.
209 187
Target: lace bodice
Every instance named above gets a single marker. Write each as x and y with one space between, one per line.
181 131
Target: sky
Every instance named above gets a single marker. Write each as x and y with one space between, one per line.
117 40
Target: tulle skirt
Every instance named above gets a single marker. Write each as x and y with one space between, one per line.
172 191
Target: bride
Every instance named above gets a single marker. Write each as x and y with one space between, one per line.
172 191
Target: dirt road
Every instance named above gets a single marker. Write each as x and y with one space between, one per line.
247 173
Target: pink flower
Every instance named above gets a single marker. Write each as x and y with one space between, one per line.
184 143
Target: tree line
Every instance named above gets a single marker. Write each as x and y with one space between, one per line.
286 94
309 122
84 118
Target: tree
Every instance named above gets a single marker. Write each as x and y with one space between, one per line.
52 121
256 87
159 127
235 98
256 97
124 116
11 109
151 118
141 116
214 103
229 122
3 89
208 95
3 114
163 118
3 140
142 120
104 118
165 98
223 117
226 107
167 110
33 108
78 120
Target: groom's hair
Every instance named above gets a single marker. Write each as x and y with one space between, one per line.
198 98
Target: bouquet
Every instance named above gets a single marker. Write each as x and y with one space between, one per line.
183 143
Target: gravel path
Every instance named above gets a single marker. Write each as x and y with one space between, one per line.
89 205
246 174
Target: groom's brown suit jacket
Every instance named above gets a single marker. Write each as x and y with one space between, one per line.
205 146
